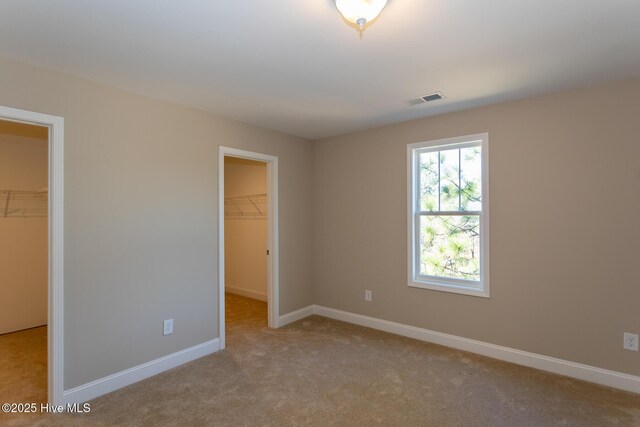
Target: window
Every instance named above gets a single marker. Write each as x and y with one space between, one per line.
448 212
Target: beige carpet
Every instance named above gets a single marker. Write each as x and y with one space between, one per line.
23 366
321 372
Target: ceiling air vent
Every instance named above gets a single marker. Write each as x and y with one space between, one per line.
433 97
427 98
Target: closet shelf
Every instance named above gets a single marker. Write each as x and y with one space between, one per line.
24 203
248 206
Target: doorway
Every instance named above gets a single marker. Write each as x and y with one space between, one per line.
251 211
23 261
31 186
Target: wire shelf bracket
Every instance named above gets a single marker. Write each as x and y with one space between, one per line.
248 206
24 203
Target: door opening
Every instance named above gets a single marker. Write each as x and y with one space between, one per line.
23 261
248 232
31 195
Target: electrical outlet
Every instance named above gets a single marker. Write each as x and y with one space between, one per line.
367 296
167 327
630 341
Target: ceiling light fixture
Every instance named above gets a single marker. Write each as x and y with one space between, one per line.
360 12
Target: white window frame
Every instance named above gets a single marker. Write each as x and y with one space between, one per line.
459 286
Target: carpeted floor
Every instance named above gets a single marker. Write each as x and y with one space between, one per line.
23 366
321 372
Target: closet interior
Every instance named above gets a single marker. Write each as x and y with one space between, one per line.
24 160
246 229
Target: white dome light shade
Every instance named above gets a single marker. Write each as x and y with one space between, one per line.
360 11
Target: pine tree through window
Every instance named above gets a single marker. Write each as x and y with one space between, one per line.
448 236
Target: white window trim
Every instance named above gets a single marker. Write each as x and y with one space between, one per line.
439 283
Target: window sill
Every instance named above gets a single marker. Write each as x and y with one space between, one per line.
455 289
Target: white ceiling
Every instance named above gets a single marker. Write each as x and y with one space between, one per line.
295 66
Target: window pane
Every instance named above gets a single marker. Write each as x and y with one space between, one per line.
471 179
449 185
450 246
428 181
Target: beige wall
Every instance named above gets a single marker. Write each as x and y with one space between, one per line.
245 239
565 237
23 241
141 217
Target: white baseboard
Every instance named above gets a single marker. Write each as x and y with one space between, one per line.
550 364
127 377
246 293
592 374
295 316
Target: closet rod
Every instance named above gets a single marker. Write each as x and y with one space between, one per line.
29 203
247 206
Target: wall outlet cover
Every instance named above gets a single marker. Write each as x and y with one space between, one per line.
167 327
367 296
630 341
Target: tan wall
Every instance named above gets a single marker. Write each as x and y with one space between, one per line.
245 239
23 241
141 217
565 236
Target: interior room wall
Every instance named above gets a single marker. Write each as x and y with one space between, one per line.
245 239
564 202
23 241
141 241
